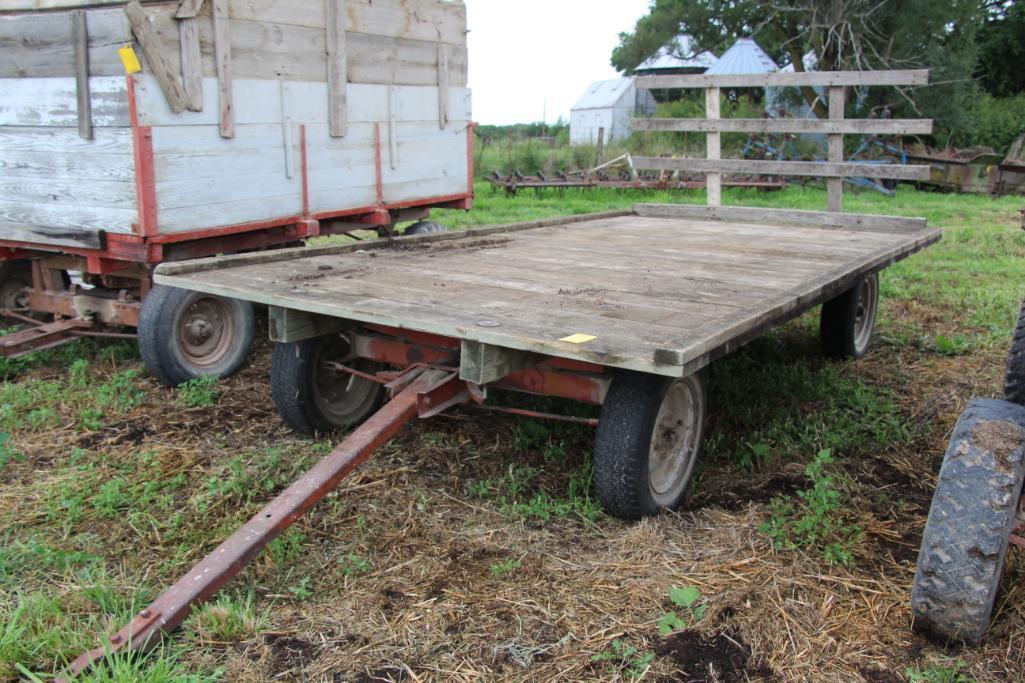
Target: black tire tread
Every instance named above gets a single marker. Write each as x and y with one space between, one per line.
623 442
966 537
1014 379
425 227
155 334
292 377
836 325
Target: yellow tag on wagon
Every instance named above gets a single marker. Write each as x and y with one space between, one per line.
578 338
130 60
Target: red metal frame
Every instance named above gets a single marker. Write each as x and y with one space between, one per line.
424 390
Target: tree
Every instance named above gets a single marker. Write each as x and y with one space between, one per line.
841 34
1002 49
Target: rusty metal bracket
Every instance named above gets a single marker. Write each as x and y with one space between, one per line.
42 336
424 391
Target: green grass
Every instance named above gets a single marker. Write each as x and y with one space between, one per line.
95 528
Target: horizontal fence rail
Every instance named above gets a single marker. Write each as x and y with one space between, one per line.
832 84
784 80
812 126
821 169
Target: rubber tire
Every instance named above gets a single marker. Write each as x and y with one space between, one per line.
964 546
424 228
20 271
1014 380
292 378
623 442
837 323
158 337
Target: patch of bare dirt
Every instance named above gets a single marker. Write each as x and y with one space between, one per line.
719 658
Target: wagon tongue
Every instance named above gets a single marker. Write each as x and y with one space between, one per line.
421 391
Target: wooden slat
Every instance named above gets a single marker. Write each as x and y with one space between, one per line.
192 62
80 40
21 232
443 83
189 9
783 79
847 221
337 70
484 363
222 57
784 168
834 186
810 126
713 145
156 55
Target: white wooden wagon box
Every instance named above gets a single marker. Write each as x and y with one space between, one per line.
135 133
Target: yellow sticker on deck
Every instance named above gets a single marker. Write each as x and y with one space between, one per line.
129 59
578 338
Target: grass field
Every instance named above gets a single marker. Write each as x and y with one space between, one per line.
472 548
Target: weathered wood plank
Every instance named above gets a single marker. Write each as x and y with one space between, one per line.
484 363
66 216
222 57
192 63
834 186
156 55
289 325
37 45
261 49
46 102
849 221
713 147
784 79
189 9
804 126
80 40
784 168
259 102
443 86
337 71
20 232
221 263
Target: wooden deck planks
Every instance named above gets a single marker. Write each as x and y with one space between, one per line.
660 295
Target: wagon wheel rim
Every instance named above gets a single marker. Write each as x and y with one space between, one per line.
339 394
205 331
865 315
675 440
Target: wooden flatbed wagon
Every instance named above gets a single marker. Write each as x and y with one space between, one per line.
621 310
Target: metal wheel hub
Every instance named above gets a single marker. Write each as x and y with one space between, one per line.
675 440
864 319
338 394
206 331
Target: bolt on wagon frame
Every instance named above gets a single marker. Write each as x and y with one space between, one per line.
621 309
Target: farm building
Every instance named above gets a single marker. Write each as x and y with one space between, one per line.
744 57
679 56
608 106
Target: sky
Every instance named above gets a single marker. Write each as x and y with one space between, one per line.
534 58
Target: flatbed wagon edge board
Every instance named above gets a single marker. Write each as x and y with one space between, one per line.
663 289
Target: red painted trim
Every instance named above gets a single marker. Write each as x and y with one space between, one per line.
224 230
145 174
306 172
377 163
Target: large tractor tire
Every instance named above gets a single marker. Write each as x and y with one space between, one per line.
973 512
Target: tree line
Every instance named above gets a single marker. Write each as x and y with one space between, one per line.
974 48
